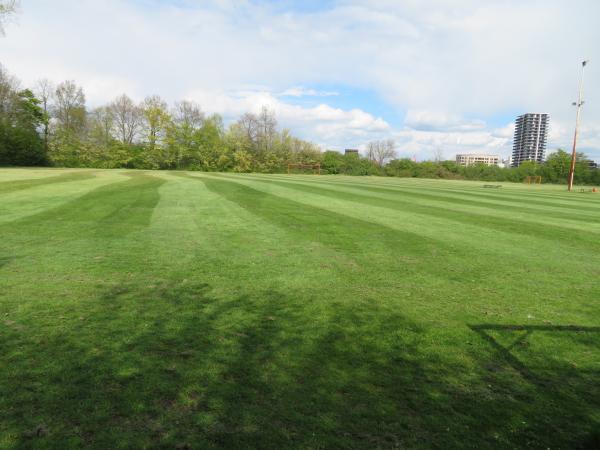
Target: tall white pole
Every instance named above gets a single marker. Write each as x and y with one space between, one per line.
579 104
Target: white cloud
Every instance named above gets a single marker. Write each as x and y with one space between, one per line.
439 120
450 65
426 143
506 131
299 91
329 127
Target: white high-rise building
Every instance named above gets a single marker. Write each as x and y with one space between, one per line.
531 130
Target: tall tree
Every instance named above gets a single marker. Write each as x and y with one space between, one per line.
260 130
188 118
127 118
210 142
381 151
102 123
156 119
249 124
44 91
69 107
267 128
188 115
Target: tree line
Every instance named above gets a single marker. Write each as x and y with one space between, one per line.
63 132
555 169
52 125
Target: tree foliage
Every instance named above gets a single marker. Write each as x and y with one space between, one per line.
21 117
56 127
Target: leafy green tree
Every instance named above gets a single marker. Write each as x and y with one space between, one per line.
182 135
20 142
294 150
242 161
354 164
556 167
595 177
526 169
332 162
239 145
401 168
451 167
156 120
210 142
156 124
583 172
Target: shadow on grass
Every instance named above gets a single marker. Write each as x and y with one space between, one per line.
172 365
574 390
504 352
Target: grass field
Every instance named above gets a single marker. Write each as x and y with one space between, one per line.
190 310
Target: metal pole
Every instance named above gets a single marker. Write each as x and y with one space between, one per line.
578 104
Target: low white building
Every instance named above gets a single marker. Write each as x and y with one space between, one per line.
467 159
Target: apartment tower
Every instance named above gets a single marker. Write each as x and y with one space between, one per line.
531 130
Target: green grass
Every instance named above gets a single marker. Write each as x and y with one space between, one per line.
190 310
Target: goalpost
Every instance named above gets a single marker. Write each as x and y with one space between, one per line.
533 180
315 168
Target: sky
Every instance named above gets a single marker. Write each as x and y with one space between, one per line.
445 76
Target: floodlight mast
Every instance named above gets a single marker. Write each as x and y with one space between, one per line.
579 104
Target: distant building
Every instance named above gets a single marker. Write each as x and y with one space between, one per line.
467 159
505 163
531 131
351 151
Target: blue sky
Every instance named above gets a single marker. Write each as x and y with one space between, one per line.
436 75
303 7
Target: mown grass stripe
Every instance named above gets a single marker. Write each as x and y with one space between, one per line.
328 227
117 207
17 185
498 264
462 216
515 194
526 207
504 252
22 203
555 193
